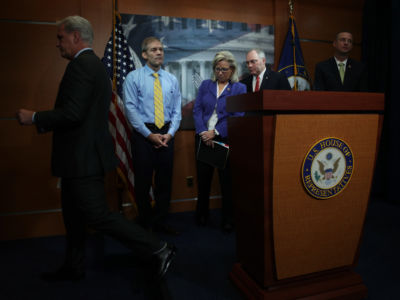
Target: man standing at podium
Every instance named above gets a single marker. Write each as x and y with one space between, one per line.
341 73
262 78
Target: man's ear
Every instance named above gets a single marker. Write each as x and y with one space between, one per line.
77 37
144 55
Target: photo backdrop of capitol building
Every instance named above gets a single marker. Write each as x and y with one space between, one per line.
190 46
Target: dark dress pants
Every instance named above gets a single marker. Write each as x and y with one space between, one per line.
204 179
84 204
147 161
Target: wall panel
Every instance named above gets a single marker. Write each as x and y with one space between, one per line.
322 23
38 10
260 11
99 13
34 67
26 183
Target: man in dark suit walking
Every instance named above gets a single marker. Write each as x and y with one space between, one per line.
83 151
261 78
341 73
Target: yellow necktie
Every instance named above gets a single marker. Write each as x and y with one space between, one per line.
341 71
158 103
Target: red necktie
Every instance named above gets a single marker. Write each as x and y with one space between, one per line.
256 89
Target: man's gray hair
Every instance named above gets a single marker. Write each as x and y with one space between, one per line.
260 53
79 24
229 58
147 41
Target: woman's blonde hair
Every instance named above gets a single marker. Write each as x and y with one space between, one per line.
228 57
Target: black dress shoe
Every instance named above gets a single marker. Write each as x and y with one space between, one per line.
63 274
227 227
201 221
166 229
162 260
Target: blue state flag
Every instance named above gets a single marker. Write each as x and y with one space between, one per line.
292 61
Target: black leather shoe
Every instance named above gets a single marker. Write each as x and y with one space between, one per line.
227 227
63 274
162 260
166 229
201 221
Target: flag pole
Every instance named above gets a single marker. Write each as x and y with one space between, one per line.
291 16
114 81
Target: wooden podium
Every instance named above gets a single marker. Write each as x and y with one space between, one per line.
292 244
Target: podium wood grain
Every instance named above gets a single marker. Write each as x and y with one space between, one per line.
312 235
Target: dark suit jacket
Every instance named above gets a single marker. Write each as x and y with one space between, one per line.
82 144
327 76
271 81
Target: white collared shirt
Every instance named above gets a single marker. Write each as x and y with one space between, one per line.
343 62
80 51
214 117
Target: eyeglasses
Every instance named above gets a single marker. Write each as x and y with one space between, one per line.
223 70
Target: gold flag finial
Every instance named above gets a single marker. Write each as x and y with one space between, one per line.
291 7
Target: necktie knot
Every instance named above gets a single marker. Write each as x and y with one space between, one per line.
155 75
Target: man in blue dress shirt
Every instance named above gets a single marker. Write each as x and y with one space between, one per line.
153 143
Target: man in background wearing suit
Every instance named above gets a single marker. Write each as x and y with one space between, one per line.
83 151
260 77
341 73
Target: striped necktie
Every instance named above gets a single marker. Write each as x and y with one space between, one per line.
158 103
341 71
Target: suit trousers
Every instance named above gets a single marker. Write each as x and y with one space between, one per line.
204 179
84 204
149 161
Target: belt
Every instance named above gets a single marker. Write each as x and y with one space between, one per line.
154 129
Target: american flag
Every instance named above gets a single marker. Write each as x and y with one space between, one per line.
119 63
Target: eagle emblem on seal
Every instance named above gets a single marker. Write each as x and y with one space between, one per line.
327 168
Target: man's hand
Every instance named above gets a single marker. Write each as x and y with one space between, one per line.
166 138
159 140
24 116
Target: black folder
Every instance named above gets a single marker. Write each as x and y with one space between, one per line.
216 156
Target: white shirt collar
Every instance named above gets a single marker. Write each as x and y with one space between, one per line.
80 51
343 62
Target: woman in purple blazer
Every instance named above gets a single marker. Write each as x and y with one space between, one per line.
210 119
